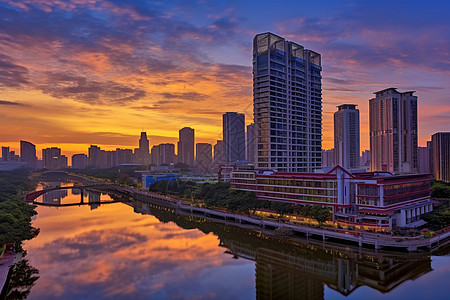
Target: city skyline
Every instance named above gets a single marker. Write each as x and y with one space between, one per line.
98 80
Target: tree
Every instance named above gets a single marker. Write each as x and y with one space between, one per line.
321 214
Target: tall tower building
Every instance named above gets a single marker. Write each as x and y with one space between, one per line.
218 152
144 150
346 136
441 155
234 136
203 156
5 154
250 143
28 153
393 131
287 100
186 143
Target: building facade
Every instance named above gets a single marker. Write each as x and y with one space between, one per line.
186 144
28 154
53 159
379 201
218 152
250 143
440 145
393 131
346 136
204 159
144 149
287 99
79 161
234 137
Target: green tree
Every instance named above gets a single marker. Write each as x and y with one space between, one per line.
321 214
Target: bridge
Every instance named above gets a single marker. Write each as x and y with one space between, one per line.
30 197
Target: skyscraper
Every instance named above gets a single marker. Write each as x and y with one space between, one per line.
5 153
94 156
186 146
346 136
52 158
287 99
441 155
233 136
393 131
203 156
28 153
218 152
144 150
250 143
79 161
163 154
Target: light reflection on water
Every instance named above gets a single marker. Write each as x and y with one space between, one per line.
109 251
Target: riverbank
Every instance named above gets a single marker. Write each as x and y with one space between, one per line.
377 241
359 239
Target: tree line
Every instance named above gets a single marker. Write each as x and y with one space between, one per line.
222 196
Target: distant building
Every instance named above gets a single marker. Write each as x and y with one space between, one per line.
328 158
186 143
287 101
203 156
423 161
365 159
123 156
144 150
52 158
28 154
79 161
94 156
251 143
234 136
346 136
218 152
5 154
369 200
163 154
441 155
393 131
148 179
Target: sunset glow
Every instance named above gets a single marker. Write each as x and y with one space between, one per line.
87 72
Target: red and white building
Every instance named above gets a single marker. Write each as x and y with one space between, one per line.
378 200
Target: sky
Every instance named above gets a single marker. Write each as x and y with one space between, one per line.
82 72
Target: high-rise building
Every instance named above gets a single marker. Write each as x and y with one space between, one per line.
328 158
203 156
79 161
144 150
423 160
287 99
346 136
250 143
28 153
94 156
441 155
233 136
186 143
393 131
52 158
364 160
5 153
163 154
218 152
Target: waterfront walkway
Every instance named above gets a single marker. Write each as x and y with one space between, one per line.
355 238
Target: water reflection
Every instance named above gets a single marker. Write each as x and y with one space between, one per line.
287 270
141 251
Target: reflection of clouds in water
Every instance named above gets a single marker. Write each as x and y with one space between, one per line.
162 261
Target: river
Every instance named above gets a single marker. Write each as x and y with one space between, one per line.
137 251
